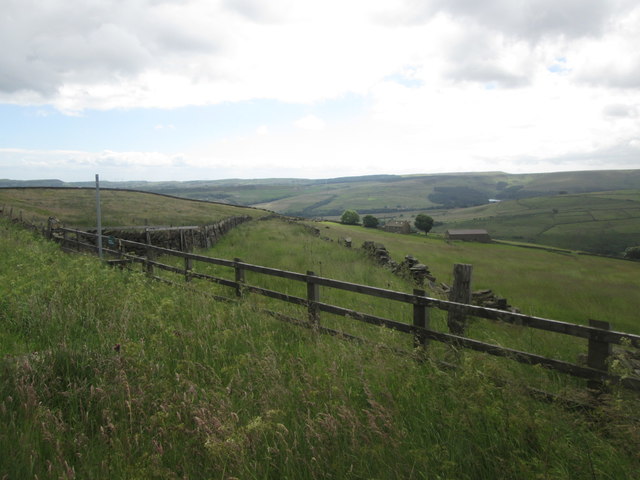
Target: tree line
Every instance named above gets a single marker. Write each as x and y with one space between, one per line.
422 221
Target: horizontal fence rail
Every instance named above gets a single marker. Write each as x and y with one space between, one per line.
598 334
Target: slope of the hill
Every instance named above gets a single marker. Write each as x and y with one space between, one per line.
107 375
77 207
600 222
380 193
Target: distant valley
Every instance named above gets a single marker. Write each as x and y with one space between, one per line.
595 211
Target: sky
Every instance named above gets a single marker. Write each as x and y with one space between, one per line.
210 89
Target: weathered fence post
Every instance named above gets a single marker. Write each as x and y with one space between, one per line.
50 228
460 293
420 319
313 296
188 266
151 255
77 240
239 276
65 239
599 353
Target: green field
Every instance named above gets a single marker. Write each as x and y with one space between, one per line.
593 211
602 222
77 208
379 193
109 375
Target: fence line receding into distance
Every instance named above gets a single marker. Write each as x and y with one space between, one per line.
600 337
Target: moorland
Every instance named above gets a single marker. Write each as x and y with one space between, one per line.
107 373
593 211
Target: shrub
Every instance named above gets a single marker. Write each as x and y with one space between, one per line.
370 221
423 222
632 252
350 217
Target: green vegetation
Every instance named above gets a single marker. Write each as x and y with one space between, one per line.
377 194
550 284
107 375
633 253
350 217
604 222
77 207
423 222
591 211
369 221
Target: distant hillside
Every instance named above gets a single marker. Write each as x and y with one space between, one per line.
76 207
378 194
600 222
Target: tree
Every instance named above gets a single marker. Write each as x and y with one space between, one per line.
632 252
423 222
350 217
370 221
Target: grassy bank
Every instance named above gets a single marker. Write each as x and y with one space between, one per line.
570 288
77 207
108 375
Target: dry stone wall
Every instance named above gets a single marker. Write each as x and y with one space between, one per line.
420 274
185 239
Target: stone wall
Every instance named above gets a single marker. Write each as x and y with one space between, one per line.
422 277
185 239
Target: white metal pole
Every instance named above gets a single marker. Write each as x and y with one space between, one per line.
99 217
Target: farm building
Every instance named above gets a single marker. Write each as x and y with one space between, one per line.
397 226
468 235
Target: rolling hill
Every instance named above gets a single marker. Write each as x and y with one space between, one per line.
594 211
107 374
377 193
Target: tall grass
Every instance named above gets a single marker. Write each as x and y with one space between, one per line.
108 375
119 208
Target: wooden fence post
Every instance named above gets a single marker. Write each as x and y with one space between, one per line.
460 293
65 239
420 319
50 228
188 266
239 277
151 255
599 353
313 296
77 240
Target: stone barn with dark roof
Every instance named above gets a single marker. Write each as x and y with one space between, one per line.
397 226
468 235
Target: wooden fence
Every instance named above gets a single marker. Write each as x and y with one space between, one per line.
600 337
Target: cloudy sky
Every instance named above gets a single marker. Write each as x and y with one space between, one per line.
208 89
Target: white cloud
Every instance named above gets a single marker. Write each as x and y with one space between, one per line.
310 122
456 84
77 54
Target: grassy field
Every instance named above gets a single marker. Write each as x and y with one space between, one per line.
568 287
378 193
559 209
107 375
603 222
77 207
392 193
